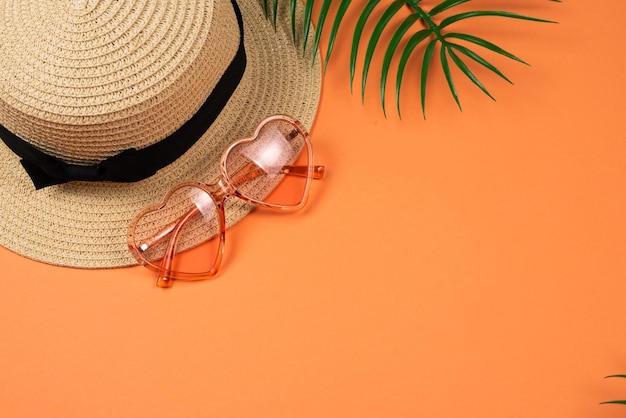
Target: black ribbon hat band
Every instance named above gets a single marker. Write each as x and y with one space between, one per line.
132 164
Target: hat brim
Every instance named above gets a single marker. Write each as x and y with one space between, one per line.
83 224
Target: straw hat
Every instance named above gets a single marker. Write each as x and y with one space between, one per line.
105 104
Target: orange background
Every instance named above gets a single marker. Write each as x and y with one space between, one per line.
469 265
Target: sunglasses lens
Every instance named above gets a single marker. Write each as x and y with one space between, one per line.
182 229
272 168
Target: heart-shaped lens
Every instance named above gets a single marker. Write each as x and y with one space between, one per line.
178 236
272 168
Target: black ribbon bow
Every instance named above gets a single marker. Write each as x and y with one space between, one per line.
133 165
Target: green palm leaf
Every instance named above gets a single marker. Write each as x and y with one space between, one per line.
428 56
358 32
474 56
448 74
341 12
321 19
377 32
410 34
391 51
292 13
413 42
485 44
465 69
483 13
442 7
308 16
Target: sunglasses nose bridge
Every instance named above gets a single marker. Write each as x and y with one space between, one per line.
222 189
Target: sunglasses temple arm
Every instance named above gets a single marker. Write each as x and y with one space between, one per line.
248 174
302 171
164 279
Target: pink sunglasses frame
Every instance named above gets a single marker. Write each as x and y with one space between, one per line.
219 190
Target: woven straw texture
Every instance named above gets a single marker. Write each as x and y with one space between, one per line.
85 79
